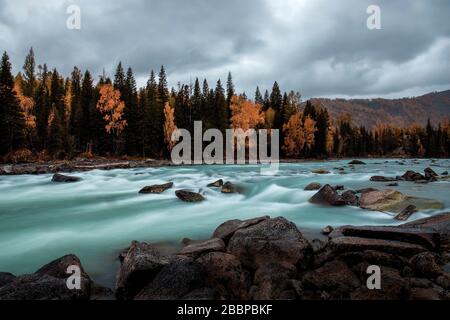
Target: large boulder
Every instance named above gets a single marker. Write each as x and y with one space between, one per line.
199 248
5 278
189 196
334 277
271 280
139 266
270 240
175 281
327 196
226 275
63 178
228 228
157 188
49 283
394 201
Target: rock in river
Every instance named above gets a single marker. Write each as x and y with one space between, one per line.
216 184
320 171
189 196
313 186
394 201
327 195
62 178
157 188
406 213
356 162
229 187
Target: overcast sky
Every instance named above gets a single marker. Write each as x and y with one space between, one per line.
319 48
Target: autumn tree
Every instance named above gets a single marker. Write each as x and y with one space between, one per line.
169 127
111 107
294 136
27 109
245 114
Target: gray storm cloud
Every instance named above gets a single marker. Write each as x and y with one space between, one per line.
317 47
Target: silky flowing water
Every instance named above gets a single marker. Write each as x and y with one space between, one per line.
99 216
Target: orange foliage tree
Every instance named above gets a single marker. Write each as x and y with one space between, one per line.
245 114
27 109
169 126
298 135
111 107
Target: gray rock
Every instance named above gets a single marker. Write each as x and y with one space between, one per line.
406 213
199 248
313 186
226 230
327 196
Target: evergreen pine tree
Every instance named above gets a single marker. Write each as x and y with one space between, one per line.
276 103
29 76
12 123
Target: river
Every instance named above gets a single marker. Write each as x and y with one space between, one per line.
99 216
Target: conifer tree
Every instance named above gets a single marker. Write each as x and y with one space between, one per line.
29 76
12 123
276 103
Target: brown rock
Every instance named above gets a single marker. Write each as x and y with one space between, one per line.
356 162
157 188
320 171
350 198
199 248
327 230
346 244
62 178
228 228
270 240
139 266
216 184
313 186
412 176
229 187
272 279
382 179
188 196
226 275
406 213
327 196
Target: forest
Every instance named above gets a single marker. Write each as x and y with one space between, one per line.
46 116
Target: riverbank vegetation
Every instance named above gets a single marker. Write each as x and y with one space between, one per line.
44 116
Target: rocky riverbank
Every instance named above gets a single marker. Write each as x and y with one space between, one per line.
266 258
79 165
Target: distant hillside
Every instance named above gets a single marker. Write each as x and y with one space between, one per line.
369 112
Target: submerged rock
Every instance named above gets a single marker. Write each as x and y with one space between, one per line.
157 188
430 174
189 196
327 195
62 178
313 186
229 187
406 213
382 179
216 184
320 171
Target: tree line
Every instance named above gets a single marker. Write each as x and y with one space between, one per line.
44 115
